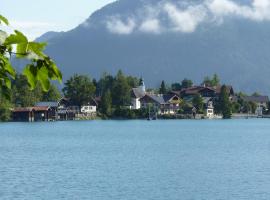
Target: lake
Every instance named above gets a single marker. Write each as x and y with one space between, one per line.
136 160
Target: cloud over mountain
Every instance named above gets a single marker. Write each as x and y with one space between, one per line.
171 40
186 16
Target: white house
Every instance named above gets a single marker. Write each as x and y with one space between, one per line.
136 95
209 108
90 108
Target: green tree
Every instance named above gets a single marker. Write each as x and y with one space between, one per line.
211 82
106 103
52 95
41 68
5 109
186 83
163 89
105 83
225 104
21 93
207 81
176 86
215 80
198 103
79 89
121 90
256 94
133 82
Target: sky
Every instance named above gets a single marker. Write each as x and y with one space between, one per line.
35 17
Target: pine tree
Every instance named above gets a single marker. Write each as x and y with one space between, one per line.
198 102
225 104
162 89
106 103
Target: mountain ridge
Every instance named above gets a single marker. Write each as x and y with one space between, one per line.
237 49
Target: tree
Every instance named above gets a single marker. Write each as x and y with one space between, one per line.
121 90
256 94
163 89
215 80
52 95
79 89
186 83
105 83
176 86
207 81
5 109
198 102
41 68
211 82
106 103
225 104
21 93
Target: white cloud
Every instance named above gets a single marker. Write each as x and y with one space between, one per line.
116 25
259 10
182 16
185 20
150 26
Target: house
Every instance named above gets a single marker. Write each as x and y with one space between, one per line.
32 114
195 90
66 111
209 108
136 95
204 91
53 108
162 104
90 108
261 102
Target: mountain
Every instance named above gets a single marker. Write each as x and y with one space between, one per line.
171 40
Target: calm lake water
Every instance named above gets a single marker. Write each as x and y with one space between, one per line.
136 160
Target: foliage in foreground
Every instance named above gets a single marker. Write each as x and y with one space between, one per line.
40 68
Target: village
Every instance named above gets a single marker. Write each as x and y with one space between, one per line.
191 102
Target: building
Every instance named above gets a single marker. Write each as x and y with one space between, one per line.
162 104
204 91
33 114
136 95
209 108
262 103
66 111
90 108
53 108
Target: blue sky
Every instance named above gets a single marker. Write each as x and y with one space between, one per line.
35 17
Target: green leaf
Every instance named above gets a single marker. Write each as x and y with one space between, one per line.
42 76
7 66
17 38
37 48
30 71
3 19
55 73
7 82
10 70
3 36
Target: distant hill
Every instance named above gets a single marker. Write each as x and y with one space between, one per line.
170 40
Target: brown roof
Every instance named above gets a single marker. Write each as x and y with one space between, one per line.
228 87
30 109
25 109
195 90
41 108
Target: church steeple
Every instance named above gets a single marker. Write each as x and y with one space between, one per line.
142 85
